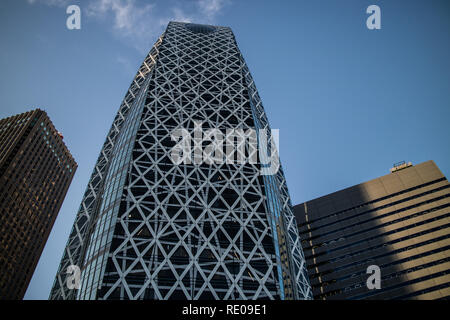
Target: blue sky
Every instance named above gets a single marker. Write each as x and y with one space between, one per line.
349 102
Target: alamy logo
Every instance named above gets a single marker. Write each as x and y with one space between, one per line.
73 278
374 281
235 146
74 20
374 20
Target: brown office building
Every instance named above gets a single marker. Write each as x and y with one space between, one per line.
35 172
399 222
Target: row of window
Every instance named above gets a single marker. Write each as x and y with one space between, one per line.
381 225
335 214
410 226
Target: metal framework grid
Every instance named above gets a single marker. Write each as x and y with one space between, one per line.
150 229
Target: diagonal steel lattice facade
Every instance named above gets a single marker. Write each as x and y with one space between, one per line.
151 229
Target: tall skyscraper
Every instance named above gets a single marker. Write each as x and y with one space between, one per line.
398 223
35 173
152 228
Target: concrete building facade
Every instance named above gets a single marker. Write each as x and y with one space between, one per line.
398 222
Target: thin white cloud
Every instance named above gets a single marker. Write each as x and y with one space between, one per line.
140 22
128 15
210 8
132 21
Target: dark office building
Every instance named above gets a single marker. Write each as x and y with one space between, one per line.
399 222
35 172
